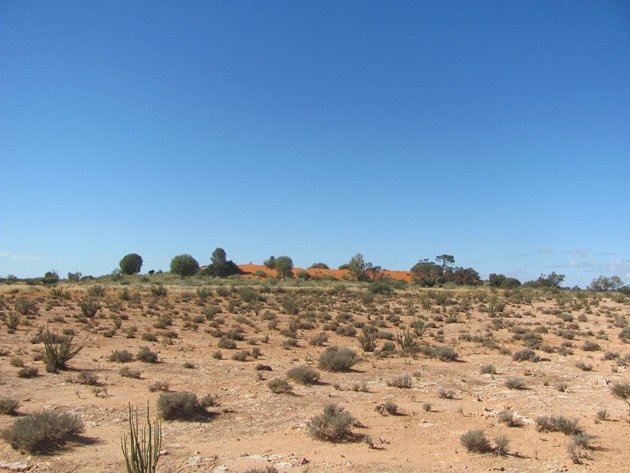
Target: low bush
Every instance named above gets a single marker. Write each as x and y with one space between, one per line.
555 423
515 383
28 372
180 405
42 432
8 406
403 381
146 355
120 356
337 359
279 386
476 441
303 375
526 355
333 425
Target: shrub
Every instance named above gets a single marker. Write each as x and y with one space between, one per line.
622 391
556 423
8 406
445 353
59 350
127 372
333 425
130 264
184 265
501 445
367 338
158 386
488 369
120 356
388 407
446 393
515 383
475 441
88 378
146 355
402 381
42 432
240 356
303 375
279 386
509 418
591 346
180 405
337 359
142 448
27 372
526 355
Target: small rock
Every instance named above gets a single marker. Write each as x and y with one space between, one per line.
220 469
14 466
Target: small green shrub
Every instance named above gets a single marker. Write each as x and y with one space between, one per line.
89 307
303 375
8 406
127 372
59 350
337 359
28 372
146 355
180 405
279 386
555 423
42 432
515 383
444 353
476 441
333 425
120 356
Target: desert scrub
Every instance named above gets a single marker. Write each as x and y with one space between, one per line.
303 374
180 405
488 369
526 354
127 372
89 307
333 425
279 386
621 391
28 372
403 381
58 350
509 418
158 386
475 441
141 448
8 406
337 359
146 355
42 432
557 423
515 383
445 353
120 356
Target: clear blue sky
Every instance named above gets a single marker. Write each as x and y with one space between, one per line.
495 131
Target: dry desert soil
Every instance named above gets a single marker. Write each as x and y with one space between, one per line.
229 338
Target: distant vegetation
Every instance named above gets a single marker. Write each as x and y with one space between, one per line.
439 272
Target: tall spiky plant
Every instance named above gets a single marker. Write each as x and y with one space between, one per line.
142 447
58 350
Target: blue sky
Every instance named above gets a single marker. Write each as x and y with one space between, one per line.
495 131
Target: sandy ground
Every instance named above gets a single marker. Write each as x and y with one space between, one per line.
253 428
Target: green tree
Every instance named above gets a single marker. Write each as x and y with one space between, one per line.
51 277
270 263
361 270
283 266
184 265
426 273
603 283
130 264
220 266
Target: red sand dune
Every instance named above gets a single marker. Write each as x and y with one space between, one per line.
250 269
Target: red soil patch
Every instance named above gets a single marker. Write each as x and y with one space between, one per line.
250 269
